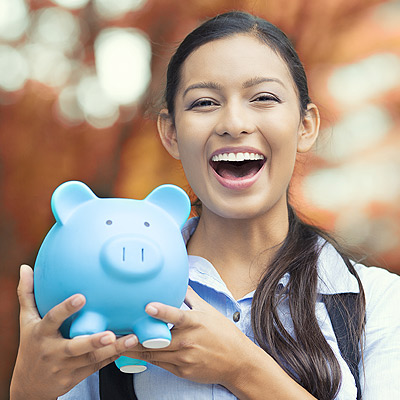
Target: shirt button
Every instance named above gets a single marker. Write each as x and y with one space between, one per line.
236 316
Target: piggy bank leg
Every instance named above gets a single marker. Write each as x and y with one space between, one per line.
153 333
87 323
130 365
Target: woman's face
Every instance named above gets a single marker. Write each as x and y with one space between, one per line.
237 127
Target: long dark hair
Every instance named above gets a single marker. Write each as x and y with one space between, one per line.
306 356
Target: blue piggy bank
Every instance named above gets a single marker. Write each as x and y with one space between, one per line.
121 254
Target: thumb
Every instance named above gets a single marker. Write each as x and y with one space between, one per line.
25 294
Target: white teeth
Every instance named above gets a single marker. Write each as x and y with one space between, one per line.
223 157
237 157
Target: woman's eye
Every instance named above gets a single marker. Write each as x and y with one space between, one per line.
203 103
267 98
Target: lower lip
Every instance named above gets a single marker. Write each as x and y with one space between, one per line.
239 183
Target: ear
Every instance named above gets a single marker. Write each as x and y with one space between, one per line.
173 200
167 132
68 197
309 129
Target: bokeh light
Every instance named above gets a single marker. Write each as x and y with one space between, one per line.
359 229
57 28
387 14
99 110
123 64
370 77
67 107
14 19
359 130
14 69
112 9
47 65
71 4
53 54
354 184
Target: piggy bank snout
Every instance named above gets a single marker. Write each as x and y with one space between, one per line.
131 256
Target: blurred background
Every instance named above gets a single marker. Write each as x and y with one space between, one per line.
81 82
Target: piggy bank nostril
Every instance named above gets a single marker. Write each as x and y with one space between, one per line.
124 254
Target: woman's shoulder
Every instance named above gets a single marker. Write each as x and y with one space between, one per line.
377 279
381 345
382 291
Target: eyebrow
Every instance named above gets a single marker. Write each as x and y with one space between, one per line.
203 85
260 79
247 84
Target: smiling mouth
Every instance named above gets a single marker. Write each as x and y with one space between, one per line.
237 165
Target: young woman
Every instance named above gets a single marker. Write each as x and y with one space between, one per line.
274 310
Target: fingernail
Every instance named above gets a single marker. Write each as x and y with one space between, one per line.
107 339
23 266
77 301
131 341
151 310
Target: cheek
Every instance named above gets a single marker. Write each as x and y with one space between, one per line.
191 138
282 127
191 156
282 142
190 147
284 145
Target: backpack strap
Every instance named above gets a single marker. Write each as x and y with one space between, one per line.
340 308
115 385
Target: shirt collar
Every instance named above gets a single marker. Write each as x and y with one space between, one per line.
333 275
189 227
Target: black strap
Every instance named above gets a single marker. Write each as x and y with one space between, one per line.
115 385
340 307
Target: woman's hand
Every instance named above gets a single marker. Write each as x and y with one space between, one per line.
206 346
48 365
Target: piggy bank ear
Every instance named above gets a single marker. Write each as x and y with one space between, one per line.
68 197
173 200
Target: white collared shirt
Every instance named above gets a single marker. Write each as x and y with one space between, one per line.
381 371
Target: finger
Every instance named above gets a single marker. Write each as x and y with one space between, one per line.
78 374
169 314
58 314
85 344
154 356
25 294
107 352
83 372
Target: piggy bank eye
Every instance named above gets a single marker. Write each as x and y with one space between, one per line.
146 224
109 222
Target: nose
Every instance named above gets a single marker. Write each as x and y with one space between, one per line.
131 256
234 120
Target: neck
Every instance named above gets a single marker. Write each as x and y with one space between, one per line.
239 249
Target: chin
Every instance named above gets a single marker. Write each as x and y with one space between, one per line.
249 207
239 211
